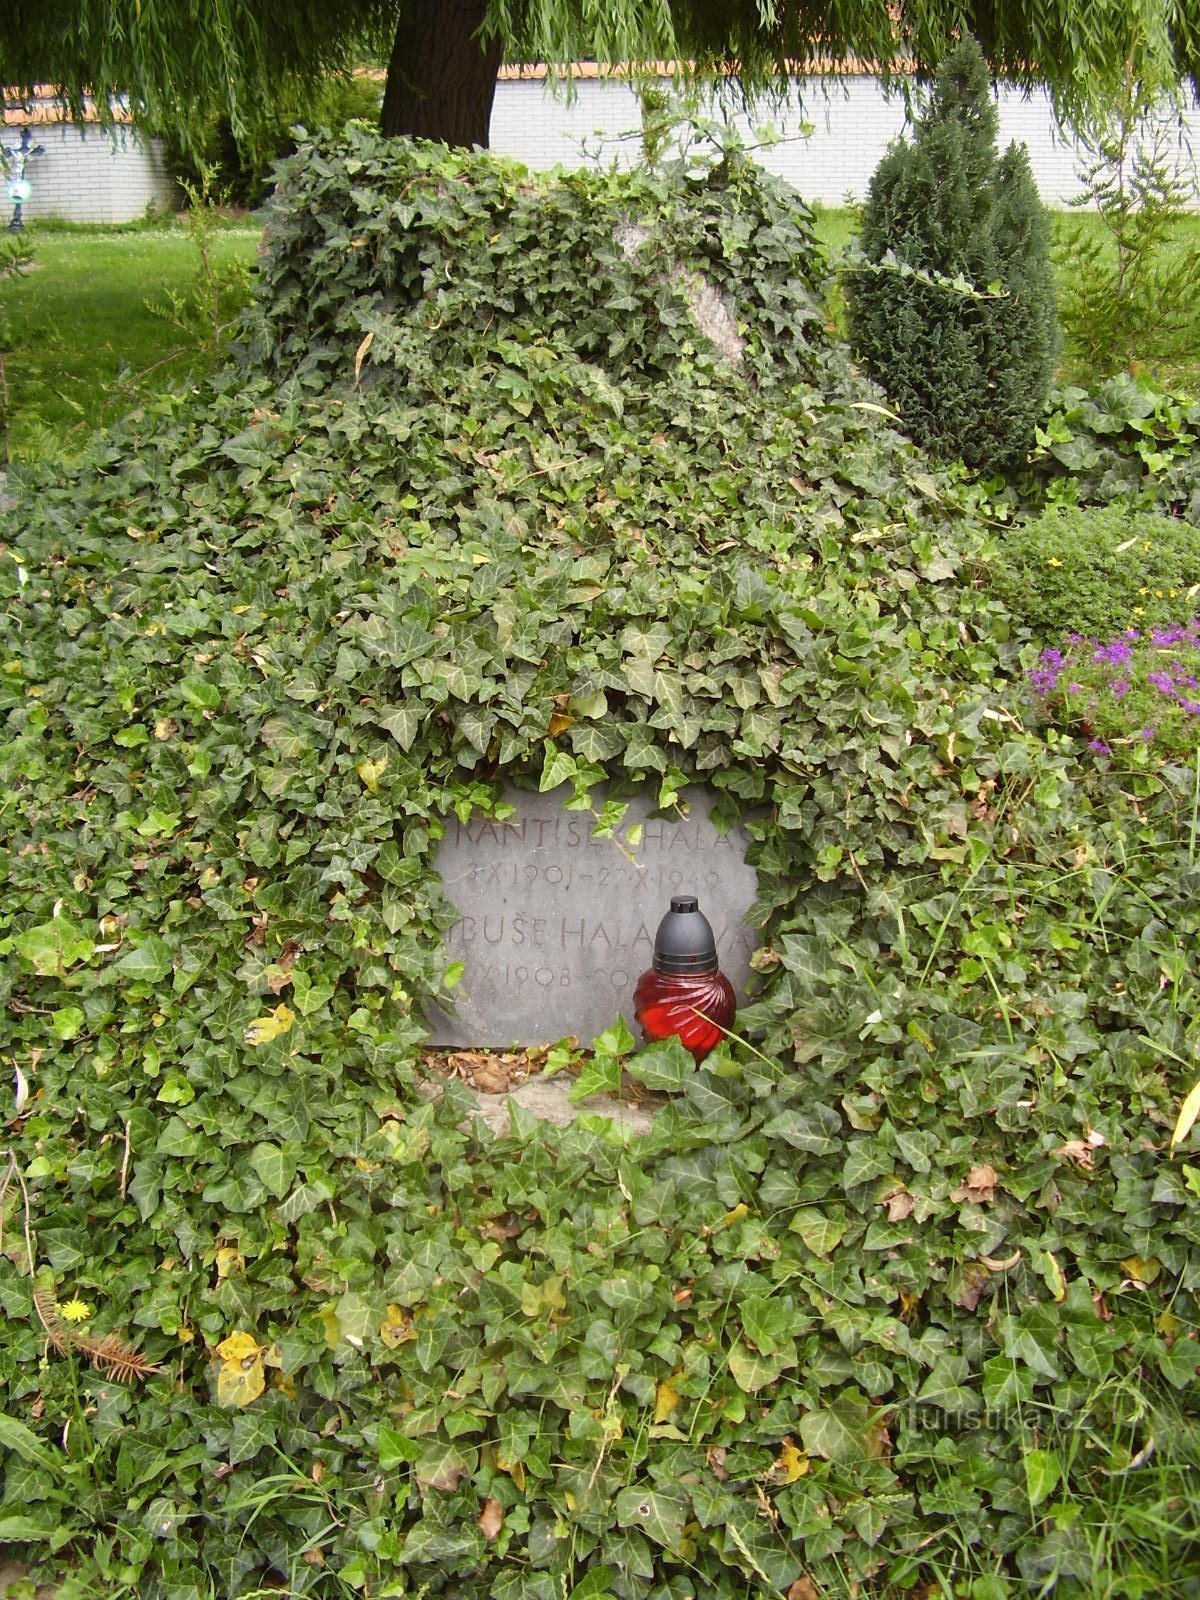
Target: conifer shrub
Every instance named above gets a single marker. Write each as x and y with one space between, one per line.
952 309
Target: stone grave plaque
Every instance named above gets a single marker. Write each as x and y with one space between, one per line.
556 926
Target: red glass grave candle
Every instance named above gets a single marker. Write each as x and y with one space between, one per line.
684 993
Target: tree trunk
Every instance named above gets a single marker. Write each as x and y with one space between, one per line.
442 78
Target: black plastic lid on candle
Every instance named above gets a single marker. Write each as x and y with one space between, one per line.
684 941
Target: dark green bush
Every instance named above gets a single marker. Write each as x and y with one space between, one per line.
952 310
1098 571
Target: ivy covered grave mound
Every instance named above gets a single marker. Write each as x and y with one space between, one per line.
558 481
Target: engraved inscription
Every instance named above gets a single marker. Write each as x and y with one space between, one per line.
556 925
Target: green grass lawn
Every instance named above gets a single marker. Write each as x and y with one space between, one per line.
79 339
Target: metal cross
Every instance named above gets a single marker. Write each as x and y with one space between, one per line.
18 186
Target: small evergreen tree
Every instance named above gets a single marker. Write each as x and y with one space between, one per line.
952 309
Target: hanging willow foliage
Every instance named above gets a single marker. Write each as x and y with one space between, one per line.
178 61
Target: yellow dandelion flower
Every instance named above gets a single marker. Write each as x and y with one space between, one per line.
1053 561
75 1311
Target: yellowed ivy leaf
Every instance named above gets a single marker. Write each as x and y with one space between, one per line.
263 1029
371 771
397 1327
1188 1112
241 1378
331 1323
791 1462
238 1346
229 1260
240 1382
1142 1269
539 1297
515 1470
727 1221
1052 1274
666 1399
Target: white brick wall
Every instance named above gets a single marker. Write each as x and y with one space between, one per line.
88 175
852 125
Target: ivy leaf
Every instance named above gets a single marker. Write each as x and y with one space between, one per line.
660 1514
665 1067
442 1465
558 767
199 692
67 1022
752 1371
240 1378
819 1230
768 1323
1042 1475
596 1584
394 1449
371 771
275 1168
309 995
271 1026
838 1432
403 723
540 1297
54 947
148 962
1188 1112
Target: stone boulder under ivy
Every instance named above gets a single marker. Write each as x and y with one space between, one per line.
478 500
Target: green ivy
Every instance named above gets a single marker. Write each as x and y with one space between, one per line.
1121 441
896 1289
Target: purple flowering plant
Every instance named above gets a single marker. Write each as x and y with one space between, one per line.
1141 689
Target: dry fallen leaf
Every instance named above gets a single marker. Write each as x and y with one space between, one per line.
971 1290
1078 1151
979 1188
803 1589
491 1078
360 355
899 1205
491 1519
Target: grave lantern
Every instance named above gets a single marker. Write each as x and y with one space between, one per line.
684 993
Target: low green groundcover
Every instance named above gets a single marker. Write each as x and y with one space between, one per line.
900 1291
